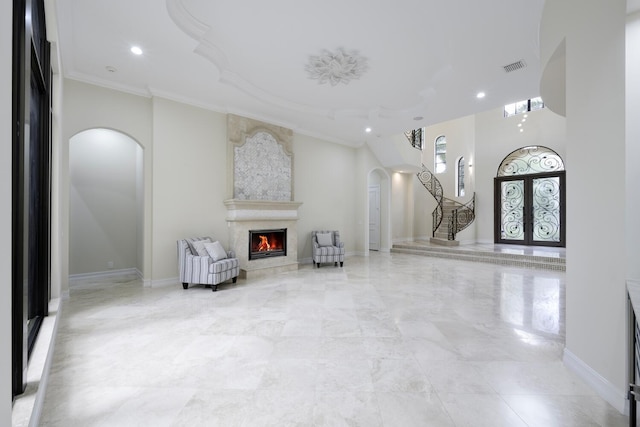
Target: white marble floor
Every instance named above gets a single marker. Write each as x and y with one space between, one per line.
387 340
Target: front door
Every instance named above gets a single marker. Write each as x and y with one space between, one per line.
530 209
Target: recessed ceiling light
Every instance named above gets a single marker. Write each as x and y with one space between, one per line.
525 116
521 130
368 130
136 50
418 118
519 125
481 95
524 120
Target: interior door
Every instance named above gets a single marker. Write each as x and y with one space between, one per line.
530 209
374 217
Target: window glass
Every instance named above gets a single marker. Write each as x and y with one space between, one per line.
536 104
510 110
460 178
441 154
522 107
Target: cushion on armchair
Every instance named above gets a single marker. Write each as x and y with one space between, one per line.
199 247
215 250
324 239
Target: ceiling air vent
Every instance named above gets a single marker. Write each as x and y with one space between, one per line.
515 66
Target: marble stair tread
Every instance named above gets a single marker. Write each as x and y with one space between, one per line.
487 256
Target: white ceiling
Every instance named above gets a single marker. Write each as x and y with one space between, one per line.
426 58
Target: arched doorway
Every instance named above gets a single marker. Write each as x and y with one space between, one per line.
106 199
530 198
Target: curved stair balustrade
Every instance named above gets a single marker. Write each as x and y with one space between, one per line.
460 215
433 186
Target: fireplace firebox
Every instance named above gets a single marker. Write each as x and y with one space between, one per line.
267 243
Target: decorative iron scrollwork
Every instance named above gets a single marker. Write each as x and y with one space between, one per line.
530 160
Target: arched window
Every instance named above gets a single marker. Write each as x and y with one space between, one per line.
460 177
441 154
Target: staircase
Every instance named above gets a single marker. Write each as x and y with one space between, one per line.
449 217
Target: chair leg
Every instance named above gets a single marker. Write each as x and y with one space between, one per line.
335 264
214 288
235 279
341 263
185 285
318 264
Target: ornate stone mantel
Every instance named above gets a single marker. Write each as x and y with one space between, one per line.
245 215
250 210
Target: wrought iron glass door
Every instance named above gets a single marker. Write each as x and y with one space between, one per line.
530 209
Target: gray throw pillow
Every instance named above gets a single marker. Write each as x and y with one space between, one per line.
325 239
215 250
199 247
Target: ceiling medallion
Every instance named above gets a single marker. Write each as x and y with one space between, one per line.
336 67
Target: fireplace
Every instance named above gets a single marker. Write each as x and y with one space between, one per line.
267 243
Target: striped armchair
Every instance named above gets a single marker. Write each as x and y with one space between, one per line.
327 247
201 261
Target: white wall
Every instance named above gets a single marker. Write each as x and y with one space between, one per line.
103 213
632 228
189 180
6 37
595 278
324 181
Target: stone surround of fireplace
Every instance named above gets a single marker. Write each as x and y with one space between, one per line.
245 215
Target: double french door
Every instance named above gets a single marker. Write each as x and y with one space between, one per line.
530 209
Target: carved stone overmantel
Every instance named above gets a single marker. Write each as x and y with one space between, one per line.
260 160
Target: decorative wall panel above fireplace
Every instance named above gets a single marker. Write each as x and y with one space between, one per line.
262 160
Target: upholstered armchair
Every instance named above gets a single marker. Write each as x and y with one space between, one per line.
327 247
205 262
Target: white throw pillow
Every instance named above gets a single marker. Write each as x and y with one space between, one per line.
199 247
324 239
215 250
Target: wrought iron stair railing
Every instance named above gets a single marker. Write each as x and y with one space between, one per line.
459 219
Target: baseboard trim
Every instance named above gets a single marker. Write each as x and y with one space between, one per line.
609 392
104 275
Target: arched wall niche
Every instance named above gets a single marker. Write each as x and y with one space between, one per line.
106 203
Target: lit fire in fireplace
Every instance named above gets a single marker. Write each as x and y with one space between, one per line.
267 243
264 244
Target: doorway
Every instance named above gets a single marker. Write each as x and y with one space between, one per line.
530 209
529 197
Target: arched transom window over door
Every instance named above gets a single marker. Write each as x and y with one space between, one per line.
530 198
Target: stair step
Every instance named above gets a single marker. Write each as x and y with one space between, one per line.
443 241
500 258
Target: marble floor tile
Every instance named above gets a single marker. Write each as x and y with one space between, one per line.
387 340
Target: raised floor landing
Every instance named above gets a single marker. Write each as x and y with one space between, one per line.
542 257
